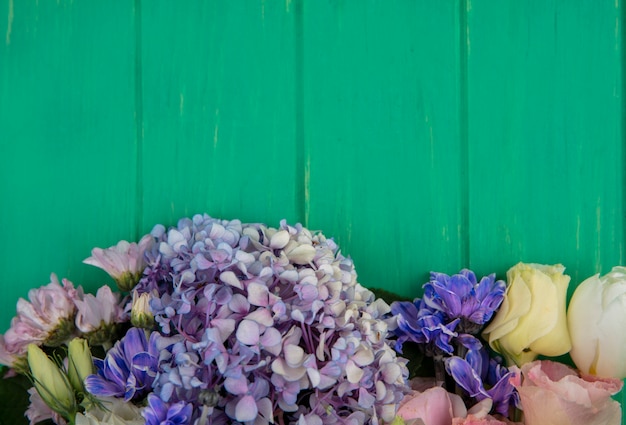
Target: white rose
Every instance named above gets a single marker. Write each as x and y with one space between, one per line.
115 411
597 320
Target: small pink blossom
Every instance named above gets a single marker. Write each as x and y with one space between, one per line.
124 262
39 411
45 319
553 393
96 312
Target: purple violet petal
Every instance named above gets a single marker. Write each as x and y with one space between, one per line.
470 342
98 386
466 377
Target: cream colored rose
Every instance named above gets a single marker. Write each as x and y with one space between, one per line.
597 319
532 318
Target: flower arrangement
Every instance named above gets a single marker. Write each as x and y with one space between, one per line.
222 322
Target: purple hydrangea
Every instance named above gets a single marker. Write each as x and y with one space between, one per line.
271 325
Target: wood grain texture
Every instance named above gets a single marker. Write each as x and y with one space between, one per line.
545 143
545 103
382 157
218 108
67 149
420 135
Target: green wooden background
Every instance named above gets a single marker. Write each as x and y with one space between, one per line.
422 135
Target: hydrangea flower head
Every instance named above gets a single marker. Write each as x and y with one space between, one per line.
270 322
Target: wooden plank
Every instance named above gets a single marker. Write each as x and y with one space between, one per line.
218 109
545 142
67 154
383 150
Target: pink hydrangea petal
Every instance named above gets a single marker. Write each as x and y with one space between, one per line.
248 332
271 337
246 409
258 294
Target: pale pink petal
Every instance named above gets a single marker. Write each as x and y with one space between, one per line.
6 358
258 294
434 406
262 316
554 393
39 411
248 332
94 311
246 409
225 327
271 337
476 420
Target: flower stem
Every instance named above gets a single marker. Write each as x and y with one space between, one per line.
440 371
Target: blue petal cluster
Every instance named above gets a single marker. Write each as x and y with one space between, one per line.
462 296
420 324
129 368
452 310
446 322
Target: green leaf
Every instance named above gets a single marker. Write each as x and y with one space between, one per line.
13 399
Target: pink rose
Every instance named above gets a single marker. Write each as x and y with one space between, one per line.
553 393
435 406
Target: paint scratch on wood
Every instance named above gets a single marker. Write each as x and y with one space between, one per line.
10 23
468 9
287 4
182 103
217 126
307 192
432 141
618 39
578 233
